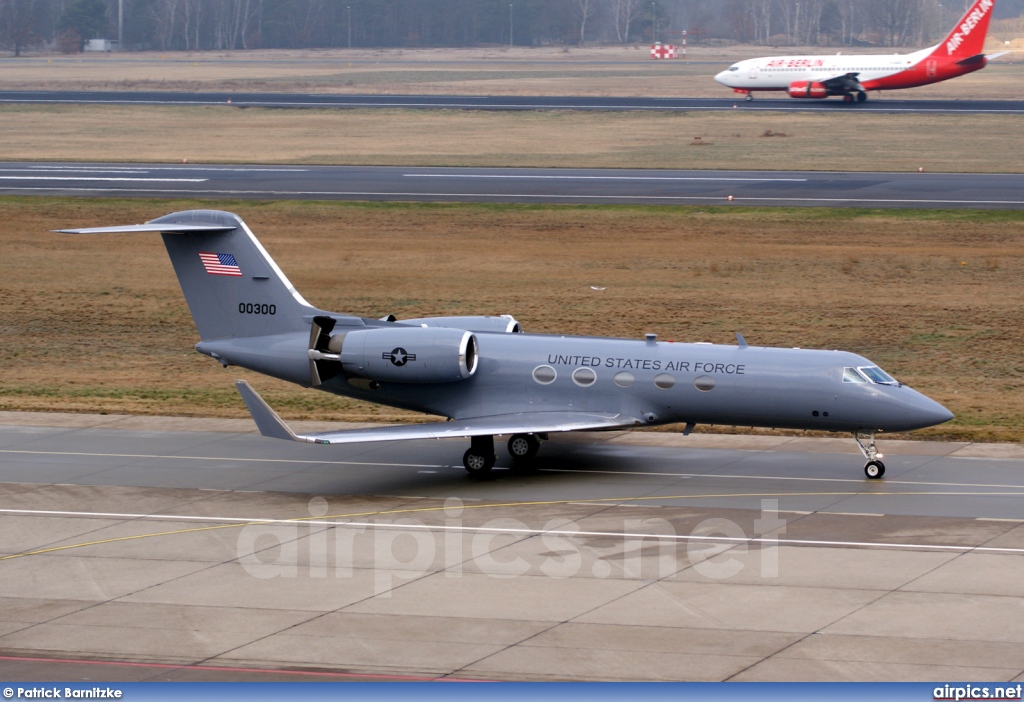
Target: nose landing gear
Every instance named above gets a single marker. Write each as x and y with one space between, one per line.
874 468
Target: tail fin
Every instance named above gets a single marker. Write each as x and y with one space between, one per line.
967 38
232 285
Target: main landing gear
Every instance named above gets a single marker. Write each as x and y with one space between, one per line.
859 96
874 468
480 458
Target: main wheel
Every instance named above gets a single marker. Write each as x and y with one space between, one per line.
848 98
523 446
874 470
862 96
477 463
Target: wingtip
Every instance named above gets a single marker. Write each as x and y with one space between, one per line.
267 420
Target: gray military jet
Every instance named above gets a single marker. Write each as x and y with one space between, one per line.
490 379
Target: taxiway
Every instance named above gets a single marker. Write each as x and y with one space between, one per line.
155 548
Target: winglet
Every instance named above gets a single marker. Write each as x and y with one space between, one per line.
267 420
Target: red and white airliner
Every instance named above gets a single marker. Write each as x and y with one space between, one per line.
962 51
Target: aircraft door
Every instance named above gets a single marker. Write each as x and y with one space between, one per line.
752 74
930 67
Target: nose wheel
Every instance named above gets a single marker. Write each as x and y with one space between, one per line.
874 468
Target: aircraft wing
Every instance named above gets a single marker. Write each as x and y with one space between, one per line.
270 424
846 82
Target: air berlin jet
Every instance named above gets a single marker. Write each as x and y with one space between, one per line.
852 76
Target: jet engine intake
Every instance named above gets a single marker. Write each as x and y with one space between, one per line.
404 354
807 89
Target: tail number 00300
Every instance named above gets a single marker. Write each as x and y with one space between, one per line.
250 308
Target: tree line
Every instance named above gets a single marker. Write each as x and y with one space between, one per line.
169 25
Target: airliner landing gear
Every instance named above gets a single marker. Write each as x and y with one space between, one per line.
848 97
523 447
749 97
862 96
479 459
874 468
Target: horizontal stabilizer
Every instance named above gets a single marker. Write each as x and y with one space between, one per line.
166 228
270 424
972 60
990 57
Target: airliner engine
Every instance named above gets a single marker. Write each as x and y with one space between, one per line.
398 355
807 89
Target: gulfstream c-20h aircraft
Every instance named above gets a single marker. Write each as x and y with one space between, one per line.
962 51
490 379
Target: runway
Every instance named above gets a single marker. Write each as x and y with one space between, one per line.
504 102
512 185
169 548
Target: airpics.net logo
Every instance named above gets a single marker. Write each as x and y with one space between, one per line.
394 550
967 693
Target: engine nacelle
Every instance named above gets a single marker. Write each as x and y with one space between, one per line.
407 354
505 324
807 89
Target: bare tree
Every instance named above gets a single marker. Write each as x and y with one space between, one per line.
623 13
18 26
583 10
899 21
165 15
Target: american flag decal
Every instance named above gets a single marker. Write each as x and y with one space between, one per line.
219 263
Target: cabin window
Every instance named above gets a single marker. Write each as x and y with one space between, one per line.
852 375
624 379
877 375
664 381
704 383
584 377
545 375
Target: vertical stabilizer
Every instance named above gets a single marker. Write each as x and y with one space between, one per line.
967 38
232 285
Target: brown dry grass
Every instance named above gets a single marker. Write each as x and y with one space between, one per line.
836 141
490 70
98 323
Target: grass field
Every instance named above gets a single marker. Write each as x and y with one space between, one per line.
730 140
98 323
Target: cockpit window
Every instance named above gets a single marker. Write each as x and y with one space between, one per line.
734 68
877 375
851 375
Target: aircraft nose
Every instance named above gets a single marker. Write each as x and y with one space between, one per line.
926 412
722 77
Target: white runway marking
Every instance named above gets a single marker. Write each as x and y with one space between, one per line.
523 531
106 179
575 177
146 168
